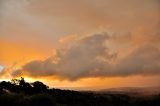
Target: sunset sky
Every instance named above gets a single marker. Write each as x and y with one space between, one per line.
81 44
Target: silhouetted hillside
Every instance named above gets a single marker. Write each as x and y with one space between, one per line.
22 93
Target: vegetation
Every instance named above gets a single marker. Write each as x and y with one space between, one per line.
21 93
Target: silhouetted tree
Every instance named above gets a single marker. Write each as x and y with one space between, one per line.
5 86
25 86
15 81
39 87
38 94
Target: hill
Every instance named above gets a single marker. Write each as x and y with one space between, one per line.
133 91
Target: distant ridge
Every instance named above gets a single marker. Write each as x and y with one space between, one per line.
133 91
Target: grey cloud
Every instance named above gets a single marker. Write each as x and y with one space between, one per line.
90 57
143 61
80 58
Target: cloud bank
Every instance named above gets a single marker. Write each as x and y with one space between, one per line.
98 55
129 46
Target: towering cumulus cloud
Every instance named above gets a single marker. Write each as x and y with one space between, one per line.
94 56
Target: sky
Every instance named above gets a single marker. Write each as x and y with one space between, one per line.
81 44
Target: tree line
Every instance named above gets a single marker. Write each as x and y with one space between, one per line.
18 92
21 86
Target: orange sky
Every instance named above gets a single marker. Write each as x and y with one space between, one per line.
87 44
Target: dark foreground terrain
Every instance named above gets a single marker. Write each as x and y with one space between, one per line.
21 93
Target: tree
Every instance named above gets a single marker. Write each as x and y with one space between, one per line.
39 87
15 81
25 86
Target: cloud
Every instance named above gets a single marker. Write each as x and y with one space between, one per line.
92 56
143 61
13 7
74 59
1 69
132 47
